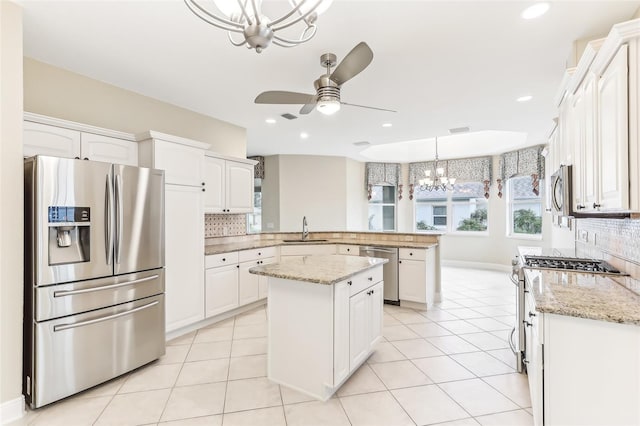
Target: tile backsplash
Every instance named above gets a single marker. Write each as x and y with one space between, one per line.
615 240
222 225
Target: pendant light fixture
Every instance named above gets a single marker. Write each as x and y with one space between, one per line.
439 180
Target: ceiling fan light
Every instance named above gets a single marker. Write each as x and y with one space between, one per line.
328 107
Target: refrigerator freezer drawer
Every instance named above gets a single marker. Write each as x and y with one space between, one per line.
73 298
78 352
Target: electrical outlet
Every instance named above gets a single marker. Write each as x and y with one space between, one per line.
583 236
270 225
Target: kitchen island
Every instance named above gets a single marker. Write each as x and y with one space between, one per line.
325 317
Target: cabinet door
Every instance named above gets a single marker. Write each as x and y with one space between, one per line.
42 139
221 289
108 149
183 165
263 281
412 280
248 284
577 126
349 250
184 242
613 129
589 158
239 187
214 201
376 301
359 335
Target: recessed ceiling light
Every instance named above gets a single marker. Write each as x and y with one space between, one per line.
270 121
304 135
524 98
455 130
362 143
536 10
387 125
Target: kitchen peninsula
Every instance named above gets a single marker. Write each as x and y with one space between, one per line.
325 317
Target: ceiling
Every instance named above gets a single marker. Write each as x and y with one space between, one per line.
440 64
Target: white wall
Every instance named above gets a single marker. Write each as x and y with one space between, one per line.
56 92
11 194
329 191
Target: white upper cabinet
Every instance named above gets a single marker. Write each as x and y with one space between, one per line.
69 142
183 165
614 137
42 139
229 185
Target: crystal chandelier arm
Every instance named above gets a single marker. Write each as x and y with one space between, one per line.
281 41
230 25
302 17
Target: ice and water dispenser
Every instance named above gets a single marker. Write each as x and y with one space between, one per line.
69 234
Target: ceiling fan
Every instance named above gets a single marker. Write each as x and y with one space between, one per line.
327 97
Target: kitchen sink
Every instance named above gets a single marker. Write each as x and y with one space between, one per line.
304 241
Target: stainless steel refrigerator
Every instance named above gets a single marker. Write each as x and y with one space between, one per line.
94 274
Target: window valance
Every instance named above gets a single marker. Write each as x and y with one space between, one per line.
477 169
258 169
383 174
523 162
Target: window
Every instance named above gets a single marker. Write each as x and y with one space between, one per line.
382 208
254 220
524 207
462 210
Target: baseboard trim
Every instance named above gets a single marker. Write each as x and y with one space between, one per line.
476 265
11 410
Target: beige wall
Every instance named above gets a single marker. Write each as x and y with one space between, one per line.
11 194
63 94
329 191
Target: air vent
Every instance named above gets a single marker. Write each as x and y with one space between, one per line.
361 143
458 130
289 116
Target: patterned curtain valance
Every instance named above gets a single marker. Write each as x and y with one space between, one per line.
383 174
523 162
258 169
477 169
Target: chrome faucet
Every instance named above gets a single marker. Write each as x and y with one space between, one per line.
305 230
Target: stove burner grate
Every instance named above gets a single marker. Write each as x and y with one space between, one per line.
570 264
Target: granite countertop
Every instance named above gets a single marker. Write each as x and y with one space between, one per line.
318 269
248 245
584 295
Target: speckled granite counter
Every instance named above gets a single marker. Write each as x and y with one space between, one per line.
583 295
319 269
248 245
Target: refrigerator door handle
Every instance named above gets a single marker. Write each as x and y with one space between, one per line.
119 217
63 327
108 223
63 293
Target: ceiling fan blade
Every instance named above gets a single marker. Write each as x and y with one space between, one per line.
369 107
357 60
282 97
307 108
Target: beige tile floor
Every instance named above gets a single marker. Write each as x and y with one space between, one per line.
450 365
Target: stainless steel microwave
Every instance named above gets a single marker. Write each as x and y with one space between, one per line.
561 191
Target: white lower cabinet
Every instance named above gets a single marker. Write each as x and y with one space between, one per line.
248 284
365 323
300 250
184 222
221 289
334 329
417 275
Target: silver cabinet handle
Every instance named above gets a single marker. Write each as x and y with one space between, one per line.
63 327
63 293
108 223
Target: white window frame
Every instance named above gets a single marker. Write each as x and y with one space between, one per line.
395 209
510 209
450 229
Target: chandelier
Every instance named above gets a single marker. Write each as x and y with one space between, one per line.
439 181
257 31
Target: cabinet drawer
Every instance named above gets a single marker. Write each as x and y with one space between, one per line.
349 249
412 254
222 259
255 254
307 250
363 280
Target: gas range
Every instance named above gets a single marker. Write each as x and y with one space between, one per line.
570 264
